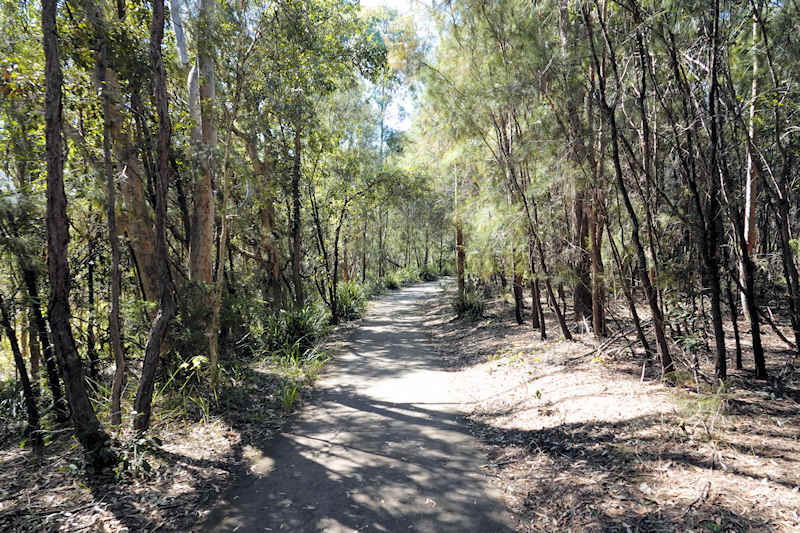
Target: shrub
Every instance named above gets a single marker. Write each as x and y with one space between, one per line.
351 301
393 282
471 305
374 287
428 274
12 401
293 333
409 276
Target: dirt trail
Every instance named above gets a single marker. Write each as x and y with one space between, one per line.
382 447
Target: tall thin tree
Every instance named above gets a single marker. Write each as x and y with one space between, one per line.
158 330
88 428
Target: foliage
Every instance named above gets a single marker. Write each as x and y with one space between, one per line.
393 282
133 455
289 395
427 273
374 287
471 305
293 333
351 300
12 403
188 334
407 276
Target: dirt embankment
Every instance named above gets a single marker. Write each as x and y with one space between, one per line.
582 439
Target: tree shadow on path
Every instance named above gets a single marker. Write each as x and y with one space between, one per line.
382 446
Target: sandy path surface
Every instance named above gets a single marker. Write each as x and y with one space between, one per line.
382 446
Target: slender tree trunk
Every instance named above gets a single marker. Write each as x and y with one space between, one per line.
582 293
562 323
158 329
118 382
267 249
734 319
297 280
36 353
28 393
598 290
91 347
29 276
441 249
460 259
751 185
752 314
89 432
658 319
364 252
537 320
518 298
628 291
345 263
642 269
713 212
203 220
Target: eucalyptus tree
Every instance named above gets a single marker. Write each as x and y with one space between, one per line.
167 305
89 431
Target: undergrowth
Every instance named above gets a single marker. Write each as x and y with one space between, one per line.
471 305
351 301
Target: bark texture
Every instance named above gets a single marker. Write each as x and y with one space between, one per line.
167 307
89 432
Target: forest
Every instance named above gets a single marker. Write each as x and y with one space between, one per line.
197 193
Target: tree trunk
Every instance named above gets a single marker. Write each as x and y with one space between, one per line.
113 320
598 290
628 291
158 329
734 322
89 432
29 396
36 352
582 293
518 298
713 211
297 248
751 185
460 259
29 276
364 252
202 239
752 313
610 115
537 319
91 346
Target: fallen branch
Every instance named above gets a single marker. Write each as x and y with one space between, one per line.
608 342
771 321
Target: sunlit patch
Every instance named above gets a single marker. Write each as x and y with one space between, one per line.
260 464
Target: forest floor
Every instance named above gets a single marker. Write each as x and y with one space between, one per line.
586 439
203 449
572 437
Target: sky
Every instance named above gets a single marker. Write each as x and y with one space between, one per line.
400 113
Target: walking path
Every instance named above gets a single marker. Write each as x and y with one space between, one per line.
381 448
